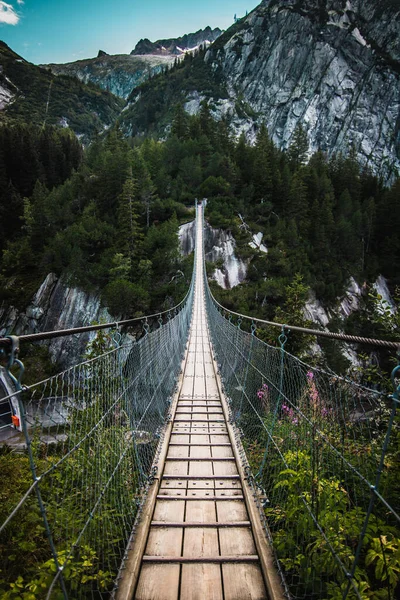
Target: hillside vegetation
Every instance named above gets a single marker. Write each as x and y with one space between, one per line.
41 98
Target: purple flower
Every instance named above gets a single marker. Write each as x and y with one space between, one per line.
265 387
260 394
310 375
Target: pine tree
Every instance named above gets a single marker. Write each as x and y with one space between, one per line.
298 149
130 234
180 124
207 124
263 166
145 188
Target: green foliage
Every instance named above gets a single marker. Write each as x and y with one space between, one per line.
307 554
33 160
103 228
123 297
79 573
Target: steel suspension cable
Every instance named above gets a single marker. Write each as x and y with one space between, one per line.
352 339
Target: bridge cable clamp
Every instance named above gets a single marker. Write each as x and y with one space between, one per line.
283 337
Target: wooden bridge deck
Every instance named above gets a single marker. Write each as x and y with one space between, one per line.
200 543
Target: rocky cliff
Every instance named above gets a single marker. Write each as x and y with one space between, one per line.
331 65
219 246
57 306
118 74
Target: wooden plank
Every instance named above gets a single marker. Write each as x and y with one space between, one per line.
167 510
218 479
203 431
178 483
177 451
158 582
222 451
243 558
225 468
236 541
204 437
201 512
177 438
210 404
200 451
232 511
164 539
219 437
166 493
200 495
201 582
179 524
200 543
202 444
229 493
200 469
199 459
175 468
243 582
232 484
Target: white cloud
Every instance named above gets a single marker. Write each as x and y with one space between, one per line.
8 14
20 2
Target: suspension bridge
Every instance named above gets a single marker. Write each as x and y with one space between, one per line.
198 463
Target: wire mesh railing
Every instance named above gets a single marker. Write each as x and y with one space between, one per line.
89 437
323 456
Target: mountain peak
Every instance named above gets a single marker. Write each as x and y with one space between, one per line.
177 46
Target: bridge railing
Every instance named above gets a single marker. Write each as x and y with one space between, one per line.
80 458
322 455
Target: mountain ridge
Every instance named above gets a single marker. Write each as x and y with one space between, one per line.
120 73
177 46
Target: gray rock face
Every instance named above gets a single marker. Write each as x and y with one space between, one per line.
219 246
118 74
335 70
56 306
187 237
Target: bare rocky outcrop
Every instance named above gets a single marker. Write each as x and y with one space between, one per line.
57 306
332 66
219 246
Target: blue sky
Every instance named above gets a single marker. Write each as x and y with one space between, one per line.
44 31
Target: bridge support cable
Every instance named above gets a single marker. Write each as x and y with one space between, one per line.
320 452
92 434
